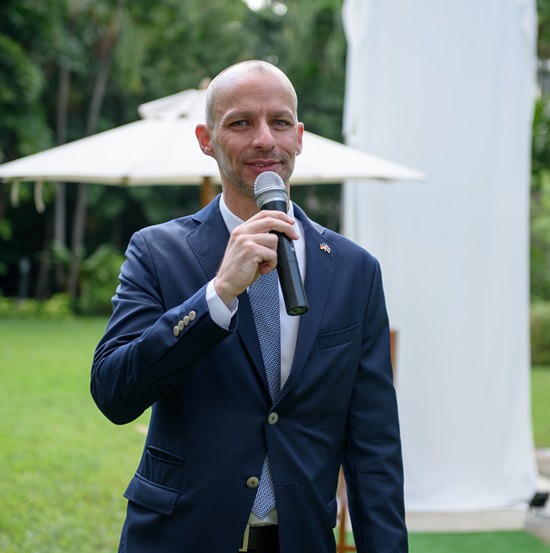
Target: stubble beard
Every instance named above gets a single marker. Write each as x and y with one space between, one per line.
235 180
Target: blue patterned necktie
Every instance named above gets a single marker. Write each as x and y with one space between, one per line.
264 301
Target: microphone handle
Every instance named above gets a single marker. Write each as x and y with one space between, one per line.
288 268
290 278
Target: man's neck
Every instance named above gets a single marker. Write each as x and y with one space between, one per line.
242 207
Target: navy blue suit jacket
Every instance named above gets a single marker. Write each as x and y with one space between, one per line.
209 431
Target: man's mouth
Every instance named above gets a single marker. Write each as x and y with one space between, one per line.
263 164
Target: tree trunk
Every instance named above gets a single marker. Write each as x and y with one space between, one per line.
60 217
106 48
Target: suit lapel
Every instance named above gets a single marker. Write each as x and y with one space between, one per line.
208 242
249 338
321 259
209 239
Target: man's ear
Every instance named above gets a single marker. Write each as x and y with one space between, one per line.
300 136
203 136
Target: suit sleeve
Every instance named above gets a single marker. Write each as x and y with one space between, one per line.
372 456
146 349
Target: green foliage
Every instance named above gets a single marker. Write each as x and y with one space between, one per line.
5 230
99 278
55 308
540 202
5 235
51 57
543 39
23 119
540 333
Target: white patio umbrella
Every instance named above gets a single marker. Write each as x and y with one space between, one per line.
161 149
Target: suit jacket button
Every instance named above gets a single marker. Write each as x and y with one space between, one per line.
181 325
176 330
192 315
186 320
252 483
273 418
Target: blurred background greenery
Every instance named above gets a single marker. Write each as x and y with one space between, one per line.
71 68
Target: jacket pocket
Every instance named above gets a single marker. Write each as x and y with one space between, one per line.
150 495
333 339
162 468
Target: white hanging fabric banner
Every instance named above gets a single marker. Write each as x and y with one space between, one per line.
448 88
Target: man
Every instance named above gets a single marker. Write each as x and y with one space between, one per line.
184 339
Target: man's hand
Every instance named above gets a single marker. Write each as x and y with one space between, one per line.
251 252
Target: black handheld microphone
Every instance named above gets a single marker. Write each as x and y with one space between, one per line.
270 193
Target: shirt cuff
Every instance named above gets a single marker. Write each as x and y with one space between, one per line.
220 313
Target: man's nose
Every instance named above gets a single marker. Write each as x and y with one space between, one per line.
263 136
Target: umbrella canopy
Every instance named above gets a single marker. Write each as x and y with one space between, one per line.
161 148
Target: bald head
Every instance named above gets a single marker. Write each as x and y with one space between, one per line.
237 74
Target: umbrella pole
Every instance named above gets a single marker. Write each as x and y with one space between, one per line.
207 191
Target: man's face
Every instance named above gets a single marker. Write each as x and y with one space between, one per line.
255 130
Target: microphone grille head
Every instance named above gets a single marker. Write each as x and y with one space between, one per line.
269 186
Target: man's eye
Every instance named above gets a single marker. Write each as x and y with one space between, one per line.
280 123
240 123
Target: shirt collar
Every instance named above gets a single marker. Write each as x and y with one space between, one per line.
232 221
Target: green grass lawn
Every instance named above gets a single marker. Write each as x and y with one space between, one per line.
480 542
64 467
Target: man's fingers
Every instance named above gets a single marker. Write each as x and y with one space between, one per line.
269 221
252 251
